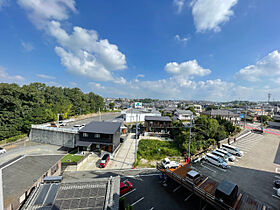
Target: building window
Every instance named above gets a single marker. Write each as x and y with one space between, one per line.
97 136
85 134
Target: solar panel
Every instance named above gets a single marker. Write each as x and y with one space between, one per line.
41 197
51 195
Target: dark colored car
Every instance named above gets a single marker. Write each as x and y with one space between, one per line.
277 183
125 187
104 161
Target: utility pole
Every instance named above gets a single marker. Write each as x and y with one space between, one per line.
99 114
190 136
136 137
245 115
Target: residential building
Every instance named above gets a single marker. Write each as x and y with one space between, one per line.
225 114
100 135
183 114
157 124
138 115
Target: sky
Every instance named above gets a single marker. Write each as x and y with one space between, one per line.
219 50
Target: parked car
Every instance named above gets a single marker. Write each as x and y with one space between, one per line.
277 183
278 192
232 149
104 161
61 123
215 160
125 187
166 163
230 156
2 150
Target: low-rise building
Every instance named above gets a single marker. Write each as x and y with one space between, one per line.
157 124
183 114
224 114
100 135
138 115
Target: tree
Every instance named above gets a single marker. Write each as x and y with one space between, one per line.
111 105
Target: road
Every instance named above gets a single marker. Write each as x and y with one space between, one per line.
28 148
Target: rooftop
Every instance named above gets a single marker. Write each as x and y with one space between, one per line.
101 127
158 118
22 174
219 112
180 111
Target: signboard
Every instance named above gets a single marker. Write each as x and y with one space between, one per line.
138 105
241 115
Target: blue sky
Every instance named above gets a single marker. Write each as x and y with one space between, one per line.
168 49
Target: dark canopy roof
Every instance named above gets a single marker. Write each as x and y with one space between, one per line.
101 127
158 118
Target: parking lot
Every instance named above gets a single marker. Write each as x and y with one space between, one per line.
254 172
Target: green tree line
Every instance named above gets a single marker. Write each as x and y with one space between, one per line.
38 103
206 132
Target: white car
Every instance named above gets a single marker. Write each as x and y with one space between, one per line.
278 192
166 163
215 160
2 151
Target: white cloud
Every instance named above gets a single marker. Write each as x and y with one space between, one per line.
40 11
186 69
181 39
179 4
52 83
45 76
120 80
28 47
5 77
267 67
82 52
95 85
140 76
210 14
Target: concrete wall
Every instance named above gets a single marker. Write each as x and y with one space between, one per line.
55 137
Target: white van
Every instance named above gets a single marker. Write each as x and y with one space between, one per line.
215 160
227 154
220 155
232 149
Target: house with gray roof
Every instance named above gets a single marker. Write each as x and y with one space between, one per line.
100 135
183 114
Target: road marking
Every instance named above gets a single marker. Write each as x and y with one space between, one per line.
208 168
218 167
152 208
133 176
278 177
276 196
188 197
137 201
274 188
177 188
128 193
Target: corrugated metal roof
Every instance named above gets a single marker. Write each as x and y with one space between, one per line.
101 127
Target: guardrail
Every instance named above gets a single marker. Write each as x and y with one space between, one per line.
196 190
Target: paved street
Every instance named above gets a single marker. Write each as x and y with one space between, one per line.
28 148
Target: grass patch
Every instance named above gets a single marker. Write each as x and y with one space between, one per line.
71 158
156 150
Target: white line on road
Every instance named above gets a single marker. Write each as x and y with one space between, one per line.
208 168
278 177
274 188
128 193
177 188
152 208
188 197
132 176
276 196
137 201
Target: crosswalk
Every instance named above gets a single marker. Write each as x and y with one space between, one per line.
248 142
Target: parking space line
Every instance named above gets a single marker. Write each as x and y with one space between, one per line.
276 196
188 197
218 167
208 168
128 193
137 201
274 188
177 188
152 208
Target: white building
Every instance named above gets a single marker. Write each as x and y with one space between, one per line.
133 115
183 114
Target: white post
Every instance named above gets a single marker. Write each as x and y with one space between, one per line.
1 191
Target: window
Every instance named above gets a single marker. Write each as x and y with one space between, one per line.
97 136
85 134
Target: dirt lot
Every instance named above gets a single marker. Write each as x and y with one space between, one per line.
255 172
